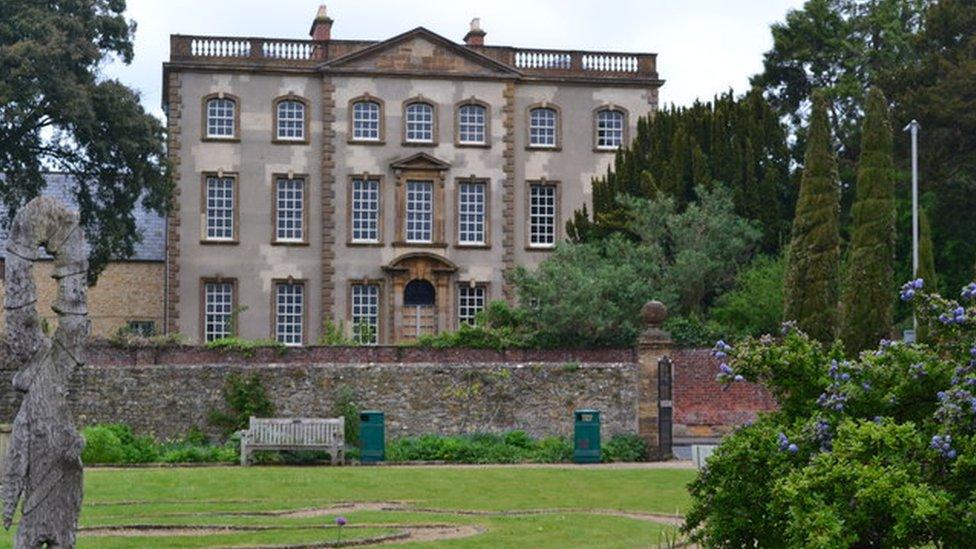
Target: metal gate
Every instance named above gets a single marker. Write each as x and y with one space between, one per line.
664 377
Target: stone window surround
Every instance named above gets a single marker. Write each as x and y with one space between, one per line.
274 120
437 234
624 140
237 118
379 221
203 208
274 305
435 130
382 121
457 123
381 312
202 317
274 209
457 198
527 200
457 296
528 127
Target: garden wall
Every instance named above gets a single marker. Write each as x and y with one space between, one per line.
166 391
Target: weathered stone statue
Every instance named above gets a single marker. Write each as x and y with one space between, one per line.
44 459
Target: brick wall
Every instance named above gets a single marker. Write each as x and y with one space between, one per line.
125 291
703 408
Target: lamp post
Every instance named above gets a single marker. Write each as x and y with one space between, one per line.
913 127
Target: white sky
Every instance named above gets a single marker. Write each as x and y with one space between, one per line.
704 46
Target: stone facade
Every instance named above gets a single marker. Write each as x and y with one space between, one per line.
126 292
330 77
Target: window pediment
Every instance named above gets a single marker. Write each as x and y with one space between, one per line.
420 162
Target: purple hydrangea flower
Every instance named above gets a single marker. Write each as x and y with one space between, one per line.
738 377
969 291
943 445
341 521
793 448
725 368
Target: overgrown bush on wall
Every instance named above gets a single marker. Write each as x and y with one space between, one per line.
243 397
876 450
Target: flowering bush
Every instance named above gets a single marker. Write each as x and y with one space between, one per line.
873 450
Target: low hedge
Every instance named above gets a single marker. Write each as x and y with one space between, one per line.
116 444
510 447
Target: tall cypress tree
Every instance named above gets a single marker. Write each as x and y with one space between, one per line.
812 275
870 286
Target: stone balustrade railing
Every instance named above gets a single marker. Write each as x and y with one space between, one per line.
309 53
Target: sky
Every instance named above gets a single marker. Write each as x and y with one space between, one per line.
704 47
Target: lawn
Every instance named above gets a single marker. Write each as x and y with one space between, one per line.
420 506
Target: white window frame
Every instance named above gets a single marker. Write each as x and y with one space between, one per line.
220 111
289 307
289 208
419 122
543 215
610 129
472 213
220 209
366 121
419 212
472 121
364 308
218 301
365 211
543 130
472 299
287 109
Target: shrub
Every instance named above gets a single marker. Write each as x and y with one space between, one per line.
101 445
553 450
497 327
245 347
687 331
755 306
627 448
115 444
345 406
243 397
874 451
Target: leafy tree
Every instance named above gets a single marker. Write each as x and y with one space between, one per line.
935 87
877 451
590 293
926 263
58 113
868 304
755 305
811 286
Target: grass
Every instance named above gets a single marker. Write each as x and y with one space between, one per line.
466 496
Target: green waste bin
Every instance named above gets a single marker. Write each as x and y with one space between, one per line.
372 437
586 437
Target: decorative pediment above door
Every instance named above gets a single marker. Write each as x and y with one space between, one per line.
420 162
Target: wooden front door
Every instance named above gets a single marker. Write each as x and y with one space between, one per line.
419 312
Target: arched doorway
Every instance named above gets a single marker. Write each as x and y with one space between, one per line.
421 297
419 309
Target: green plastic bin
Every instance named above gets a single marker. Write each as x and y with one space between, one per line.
586 436
372 436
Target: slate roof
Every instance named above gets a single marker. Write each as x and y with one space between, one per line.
149 224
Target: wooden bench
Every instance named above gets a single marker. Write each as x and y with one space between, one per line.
326 434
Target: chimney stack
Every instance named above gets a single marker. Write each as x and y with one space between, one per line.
321 26
475 36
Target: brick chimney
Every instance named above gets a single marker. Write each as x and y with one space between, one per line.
321 26
475 36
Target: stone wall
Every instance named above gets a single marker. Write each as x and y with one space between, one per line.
113 302
164 393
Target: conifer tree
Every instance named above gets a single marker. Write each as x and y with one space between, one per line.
869 286
811 285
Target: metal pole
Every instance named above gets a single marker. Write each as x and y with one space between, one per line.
913 127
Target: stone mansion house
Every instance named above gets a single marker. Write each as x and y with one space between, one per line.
378 187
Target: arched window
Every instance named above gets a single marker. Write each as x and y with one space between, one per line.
419 122
366 120
221 121
472 124
419 293
610 124
290 120
543 127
